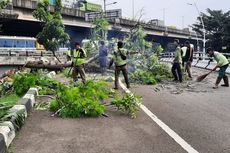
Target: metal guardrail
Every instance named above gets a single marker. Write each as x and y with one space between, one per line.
196 55
200 59
31 53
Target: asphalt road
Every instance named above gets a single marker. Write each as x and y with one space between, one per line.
115 134
197 113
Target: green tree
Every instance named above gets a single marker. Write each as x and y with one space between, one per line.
99 31
217 28
4 3
53 32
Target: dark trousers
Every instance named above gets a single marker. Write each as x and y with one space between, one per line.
79 69
125 74
188 68
183 62
176 71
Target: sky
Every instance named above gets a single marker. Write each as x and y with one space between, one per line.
177 12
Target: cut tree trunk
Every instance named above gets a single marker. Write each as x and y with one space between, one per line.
56 67
53 67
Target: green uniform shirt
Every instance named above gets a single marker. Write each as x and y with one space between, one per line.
220 59
117 57
68 53
79 56
178 58
184 49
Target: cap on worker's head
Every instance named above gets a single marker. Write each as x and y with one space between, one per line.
120 44
77 44
177 41
187 42
209 49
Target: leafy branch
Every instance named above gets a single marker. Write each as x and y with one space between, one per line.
53 32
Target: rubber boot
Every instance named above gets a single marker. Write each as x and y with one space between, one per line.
226 83
217 82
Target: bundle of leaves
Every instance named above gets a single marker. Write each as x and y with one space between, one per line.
6 102
150 72
17 117
143 77
23 82
46 85
84 100
128 104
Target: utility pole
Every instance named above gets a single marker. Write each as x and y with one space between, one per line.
182 23
202 22
104 5
133 10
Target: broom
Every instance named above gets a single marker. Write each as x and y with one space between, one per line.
202 77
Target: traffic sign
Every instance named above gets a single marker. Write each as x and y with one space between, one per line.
110 14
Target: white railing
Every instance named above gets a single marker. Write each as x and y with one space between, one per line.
200 60
30 53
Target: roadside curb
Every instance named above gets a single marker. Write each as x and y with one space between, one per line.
14 121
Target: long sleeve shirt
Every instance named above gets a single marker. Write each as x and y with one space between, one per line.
178 58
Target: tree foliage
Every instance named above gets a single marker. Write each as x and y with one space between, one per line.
53 32
84 100
145 66
99 32
100 29
4 3
128 104
217 26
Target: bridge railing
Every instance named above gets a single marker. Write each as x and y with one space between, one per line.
29 4
31 53
196 55
126 21
200 60
32 4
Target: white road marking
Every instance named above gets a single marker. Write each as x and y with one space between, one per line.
187 147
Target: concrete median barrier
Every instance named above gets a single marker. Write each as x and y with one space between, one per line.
15 118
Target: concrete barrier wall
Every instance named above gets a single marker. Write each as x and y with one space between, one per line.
18 115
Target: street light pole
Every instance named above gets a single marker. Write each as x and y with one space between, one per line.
197 40
202 22
108 4
104 5
182 22
164 15
133 9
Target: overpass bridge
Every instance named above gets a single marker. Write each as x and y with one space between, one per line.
24 24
